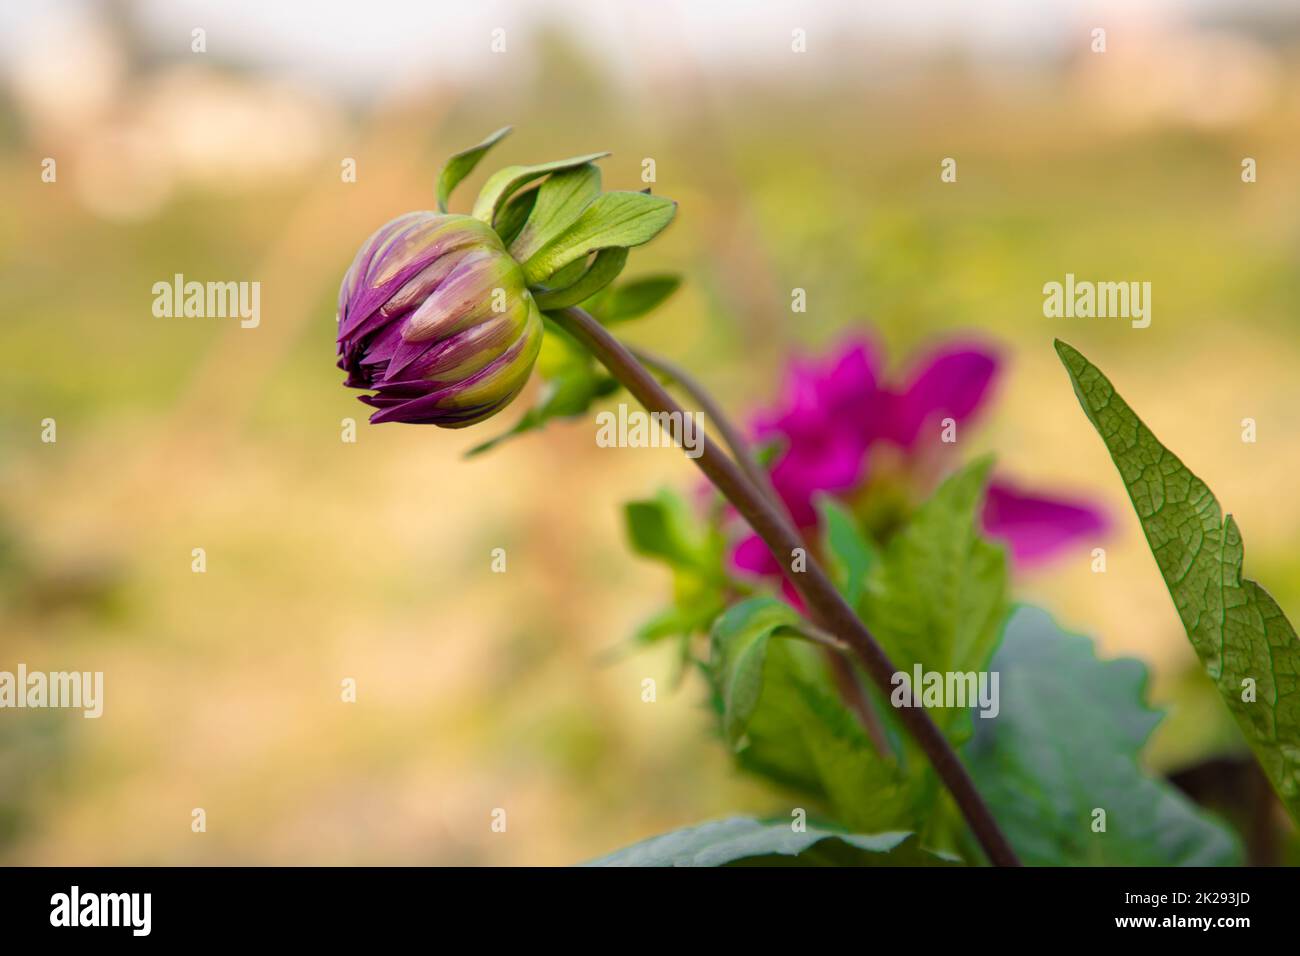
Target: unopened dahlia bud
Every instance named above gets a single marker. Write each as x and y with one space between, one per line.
435 316
440 315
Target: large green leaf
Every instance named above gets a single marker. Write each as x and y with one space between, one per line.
937 595
622 219
742 841
1244 641
1065 745
783 713
463 163
560 200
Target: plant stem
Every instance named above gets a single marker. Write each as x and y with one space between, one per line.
731 435
846 679
813 584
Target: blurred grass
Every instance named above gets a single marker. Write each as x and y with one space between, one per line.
329 560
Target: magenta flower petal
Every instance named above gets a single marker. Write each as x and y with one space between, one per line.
1038 527
842 394
836 464
753 556
829 415
952 382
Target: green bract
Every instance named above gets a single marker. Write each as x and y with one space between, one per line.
560 222
570 241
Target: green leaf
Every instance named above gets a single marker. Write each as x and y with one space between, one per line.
742 841
614 219
560 200
571 382
632 299
849 555
662 527
603 270
682 619
797 731
665 529
1065 744
1239 632
462 164
937 596
739 644
504 182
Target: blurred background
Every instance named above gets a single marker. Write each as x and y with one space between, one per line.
370 560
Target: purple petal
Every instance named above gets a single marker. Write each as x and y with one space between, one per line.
830 413
753 556
842 394
1038 527
467 400
395 255
953 382
831 463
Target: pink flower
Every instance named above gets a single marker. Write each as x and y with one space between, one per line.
836 416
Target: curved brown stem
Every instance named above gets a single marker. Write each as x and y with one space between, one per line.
846 679
813 584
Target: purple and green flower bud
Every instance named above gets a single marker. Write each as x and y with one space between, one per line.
434 315
440 315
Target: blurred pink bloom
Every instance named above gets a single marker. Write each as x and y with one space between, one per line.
834 413
1037 527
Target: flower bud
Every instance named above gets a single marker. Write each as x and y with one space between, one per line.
440 315
435 316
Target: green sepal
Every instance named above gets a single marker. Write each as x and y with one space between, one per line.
503 183
572 381
614 219
462 164
603 270
514 215
560 201
563 278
